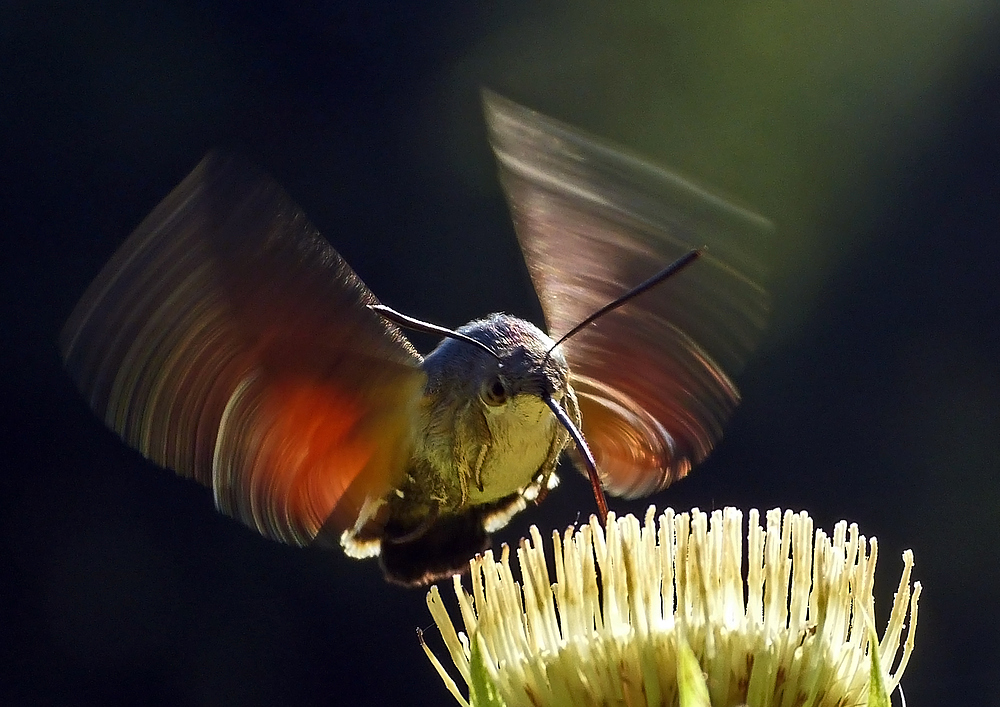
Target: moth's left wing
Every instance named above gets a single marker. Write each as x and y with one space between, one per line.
228 341
653 378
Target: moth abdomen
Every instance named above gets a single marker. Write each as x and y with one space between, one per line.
443 548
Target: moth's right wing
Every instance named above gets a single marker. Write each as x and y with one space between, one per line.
654 377
228 341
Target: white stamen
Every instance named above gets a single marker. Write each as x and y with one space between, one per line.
793 632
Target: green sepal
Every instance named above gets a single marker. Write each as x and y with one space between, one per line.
877 695
482 690
691 685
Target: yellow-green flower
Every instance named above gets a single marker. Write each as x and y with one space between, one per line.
787 619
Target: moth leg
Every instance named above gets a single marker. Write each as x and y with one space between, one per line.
369 508
418 532
480 460
471 432
543 485
463 480
461 466
546 479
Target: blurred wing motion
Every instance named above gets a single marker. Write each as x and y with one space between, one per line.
228 341
653 377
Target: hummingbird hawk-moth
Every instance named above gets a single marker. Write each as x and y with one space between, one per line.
228 341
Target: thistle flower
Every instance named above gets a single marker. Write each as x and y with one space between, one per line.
661 614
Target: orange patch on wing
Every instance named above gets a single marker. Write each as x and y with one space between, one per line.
314 449
634 453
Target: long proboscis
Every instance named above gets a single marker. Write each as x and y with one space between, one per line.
588 457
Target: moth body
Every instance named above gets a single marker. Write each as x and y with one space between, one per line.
485 444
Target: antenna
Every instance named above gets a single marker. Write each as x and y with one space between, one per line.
649 284
402 320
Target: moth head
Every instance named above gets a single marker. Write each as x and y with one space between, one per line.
516 359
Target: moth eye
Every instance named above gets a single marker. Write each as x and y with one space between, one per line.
495 392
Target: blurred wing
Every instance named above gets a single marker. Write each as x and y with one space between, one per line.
653 377
228 341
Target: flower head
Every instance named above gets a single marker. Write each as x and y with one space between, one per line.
631 601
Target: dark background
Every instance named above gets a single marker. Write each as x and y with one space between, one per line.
869 134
